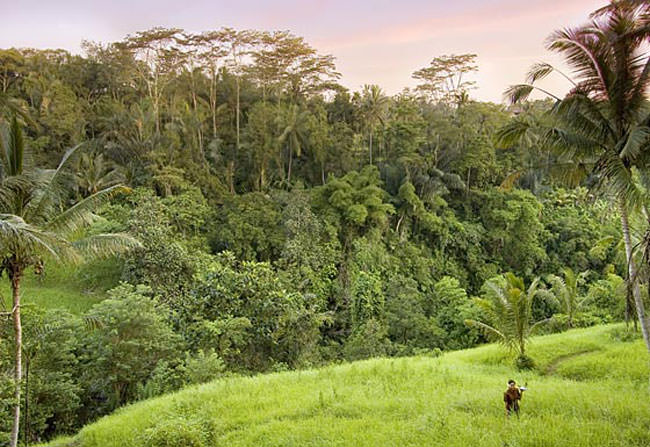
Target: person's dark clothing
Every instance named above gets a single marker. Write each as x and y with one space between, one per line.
511 397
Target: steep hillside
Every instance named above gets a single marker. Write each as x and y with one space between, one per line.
589 389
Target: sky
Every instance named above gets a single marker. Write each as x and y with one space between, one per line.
375 42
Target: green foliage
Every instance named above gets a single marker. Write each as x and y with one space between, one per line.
515 235
249 226
567 292
243 309
368 340
282 227
507 308
355 203
132 335
163 263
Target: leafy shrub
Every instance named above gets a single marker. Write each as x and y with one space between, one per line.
179 432
203 367
524 362
624 334
369 340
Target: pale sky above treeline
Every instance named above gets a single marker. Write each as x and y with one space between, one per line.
375 42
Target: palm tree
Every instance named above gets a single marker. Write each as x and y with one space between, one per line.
507 307
601 127
374 105
94 173
295 123
36 224
566 292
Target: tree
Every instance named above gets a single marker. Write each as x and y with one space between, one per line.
601 128
444 80
287 65
157 61
237 45
133 334
566 291
507 308
95 173
36 223
373 106
295 124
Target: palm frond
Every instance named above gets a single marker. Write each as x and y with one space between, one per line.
637 140
106 244
81 214
487 329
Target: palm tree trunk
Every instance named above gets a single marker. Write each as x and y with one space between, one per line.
18 371
237 113
632 275
290 162
370 147
26 425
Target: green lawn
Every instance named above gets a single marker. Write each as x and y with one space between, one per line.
588 390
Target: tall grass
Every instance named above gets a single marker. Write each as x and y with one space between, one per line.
64 287
588 390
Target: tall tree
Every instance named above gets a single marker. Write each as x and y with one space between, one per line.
374 106
601 127
445 79
295 124
158 60
238 46
36 224
287 65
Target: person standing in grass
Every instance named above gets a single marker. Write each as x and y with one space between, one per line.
511 397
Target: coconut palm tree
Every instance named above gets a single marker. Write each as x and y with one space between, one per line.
374 106
507 307
295 123
94 173
37 225
601 128
566 292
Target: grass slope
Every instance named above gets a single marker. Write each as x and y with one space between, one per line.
63 287
589 390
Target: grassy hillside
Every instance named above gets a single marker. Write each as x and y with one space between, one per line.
589 389
65 287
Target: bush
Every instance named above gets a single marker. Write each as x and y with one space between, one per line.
203 367
179 432
132 336
369 340
523 362
624 334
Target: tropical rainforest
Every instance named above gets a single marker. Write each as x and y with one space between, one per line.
177 207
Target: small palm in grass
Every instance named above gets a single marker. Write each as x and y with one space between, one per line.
567 292
507 309
37 224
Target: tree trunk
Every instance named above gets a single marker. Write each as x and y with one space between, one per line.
26 429
18 370
237 114
370 147
632 275
290 162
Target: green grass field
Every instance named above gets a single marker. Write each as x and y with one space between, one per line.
62 287
588 390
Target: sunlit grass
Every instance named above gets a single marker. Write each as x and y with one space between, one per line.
61 287
589 390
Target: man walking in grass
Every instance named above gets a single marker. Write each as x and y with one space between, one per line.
511 397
